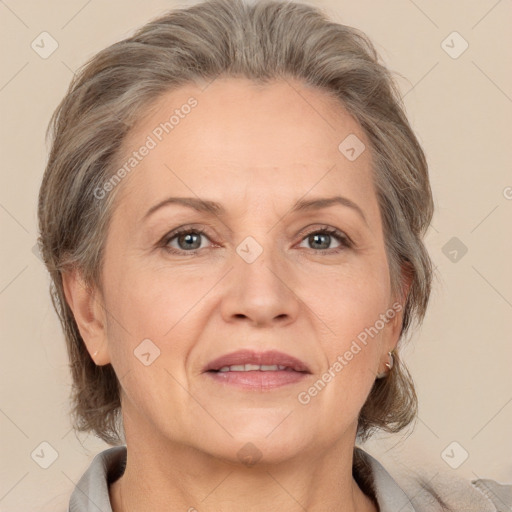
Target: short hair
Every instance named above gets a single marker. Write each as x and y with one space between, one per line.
262 41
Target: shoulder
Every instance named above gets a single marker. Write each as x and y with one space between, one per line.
419 491
91 493
445 492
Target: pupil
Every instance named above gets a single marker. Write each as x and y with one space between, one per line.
320 239
317 238
189 240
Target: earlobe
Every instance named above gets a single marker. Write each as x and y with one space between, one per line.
89 312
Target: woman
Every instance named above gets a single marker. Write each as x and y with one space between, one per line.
232 215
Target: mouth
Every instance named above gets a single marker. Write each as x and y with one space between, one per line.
257 370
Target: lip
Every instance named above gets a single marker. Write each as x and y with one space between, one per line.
258 380
269 357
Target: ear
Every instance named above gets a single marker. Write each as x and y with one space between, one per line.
406 278
87 306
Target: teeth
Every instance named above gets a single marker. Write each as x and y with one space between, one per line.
252 367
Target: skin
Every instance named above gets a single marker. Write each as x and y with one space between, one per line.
256 150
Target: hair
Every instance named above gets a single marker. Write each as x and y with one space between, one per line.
262 41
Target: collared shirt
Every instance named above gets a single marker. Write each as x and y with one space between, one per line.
91 493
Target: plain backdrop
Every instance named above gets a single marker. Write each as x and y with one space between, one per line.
459 101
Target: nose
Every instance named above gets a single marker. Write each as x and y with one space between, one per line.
261 292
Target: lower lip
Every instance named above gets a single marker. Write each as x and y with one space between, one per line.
258 380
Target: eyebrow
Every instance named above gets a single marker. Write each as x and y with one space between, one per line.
213 208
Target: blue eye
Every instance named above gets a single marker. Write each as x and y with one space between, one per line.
321 239
190 240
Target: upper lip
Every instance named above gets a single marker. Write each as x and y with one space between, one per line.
270 358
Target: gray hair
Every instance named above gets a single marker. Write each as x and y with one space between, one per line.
262 41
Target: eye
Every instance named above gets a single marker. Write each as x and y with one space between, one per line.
184 240
190 240
321 239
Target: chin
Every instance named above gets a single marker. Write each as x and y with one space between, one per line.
252 451
260 442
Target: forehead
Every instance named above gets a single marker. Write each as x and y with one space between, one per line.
236 138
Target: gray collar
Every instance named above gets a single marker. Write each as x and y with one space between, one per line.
390 497
91 492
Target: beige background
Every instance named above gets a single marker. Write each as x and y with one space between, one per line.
461 359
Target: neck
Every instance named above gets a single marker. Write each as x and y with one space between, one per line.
163 475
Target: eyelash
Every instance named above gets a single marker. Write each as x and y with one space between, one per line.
344 241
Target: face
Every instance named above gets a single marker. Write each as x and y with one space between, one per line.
251 266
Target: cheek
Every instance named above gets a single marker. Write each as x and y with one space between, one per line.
352 353
151 328
353 301
146 304
140 296
354 333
